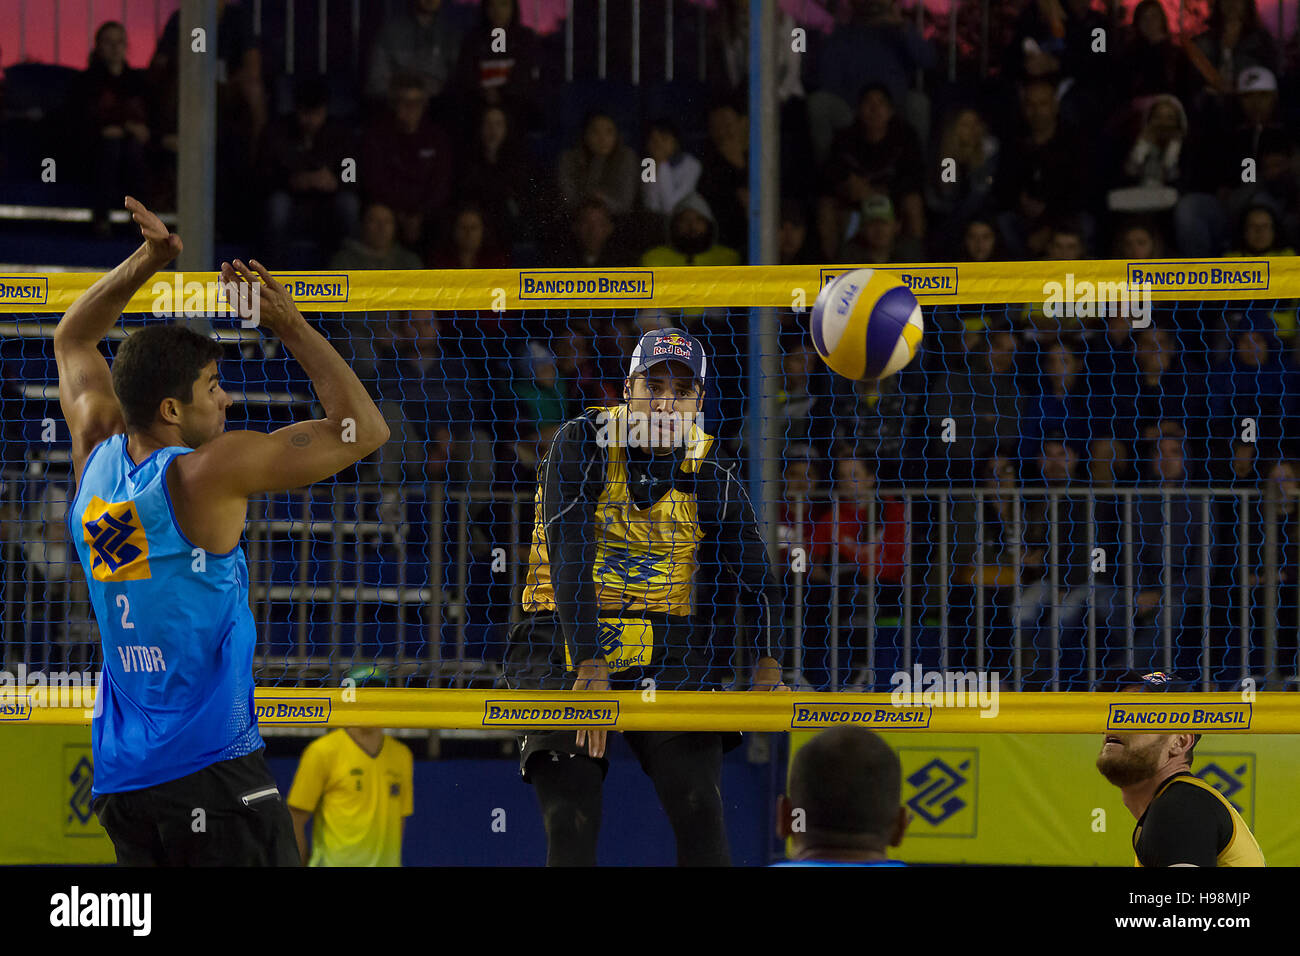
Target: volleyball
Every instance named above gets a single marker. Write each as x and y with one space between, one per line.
866 324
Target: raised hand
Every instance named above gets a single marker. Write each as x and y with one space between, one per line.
259 296
163 244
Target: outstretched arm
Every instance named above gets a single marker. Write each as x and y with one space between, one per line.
85 384
240 464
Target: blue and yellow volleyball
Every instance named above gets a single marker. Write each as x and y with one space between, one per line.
866 324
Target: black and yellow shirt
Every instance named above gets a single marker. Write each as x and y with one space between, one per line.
358 801
1190 822
621 531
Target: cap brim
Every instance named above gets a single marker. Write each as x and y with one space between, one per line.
645 366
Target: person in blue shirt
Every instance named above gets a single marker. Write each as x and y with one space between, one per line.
161 499
843 804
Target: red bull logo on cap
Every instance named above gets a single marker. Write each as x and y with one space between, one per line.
672 344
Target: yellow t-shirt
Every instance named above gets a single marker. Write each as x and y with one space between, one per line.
358 801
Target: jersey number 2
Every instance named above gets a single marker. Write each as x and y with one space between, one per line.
125 605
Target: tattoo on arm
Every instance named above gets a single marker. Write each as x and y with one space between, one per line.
300 440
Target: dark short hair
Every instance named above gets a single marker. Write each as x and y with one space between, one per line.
849 783
158 362
406 80
880 88
311 93
664 124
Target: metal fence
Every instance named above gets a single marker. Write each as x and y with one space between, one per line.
314 598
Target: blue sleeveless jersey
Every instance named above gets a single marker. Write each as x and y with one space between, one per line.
177 632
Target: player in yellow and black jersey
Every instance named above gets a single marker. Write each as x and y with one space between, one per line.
639 526
1181 819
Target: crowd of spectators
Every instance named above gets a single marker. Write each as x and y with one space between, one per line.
1144 147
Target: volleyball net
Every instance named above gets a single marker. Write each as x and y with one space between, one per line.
1087 475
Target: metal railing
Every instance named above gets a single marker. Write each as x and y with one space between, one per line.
934 540
1250 505
93 12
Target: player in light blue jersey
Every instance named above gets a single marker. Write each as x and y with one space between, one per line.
843 802
161 498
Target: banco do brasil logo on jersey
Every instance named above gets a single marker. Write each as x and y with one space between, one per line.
1233 775
118 547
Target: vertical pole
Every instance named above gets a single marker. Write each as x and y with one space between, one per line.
1054 572
701 47
943 580
871 599
764 350
437 514
636 42
668 40
359 588
257 19
196 172
568 41
835 592
259 535
800 508
981 638
1016 566
515 522
322 37
1270 572
336 565
907 581
952 40
289 28
356 37
399 555
1092 592
1167 613
1128 579
1205 591
1244 578
602 15
920 28
984 38
462 585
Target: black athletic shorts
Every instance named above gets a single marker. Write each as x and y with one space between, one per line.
244 820
535 661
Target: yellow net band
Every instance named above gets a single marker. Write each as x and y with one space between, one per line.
962 710
977 283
